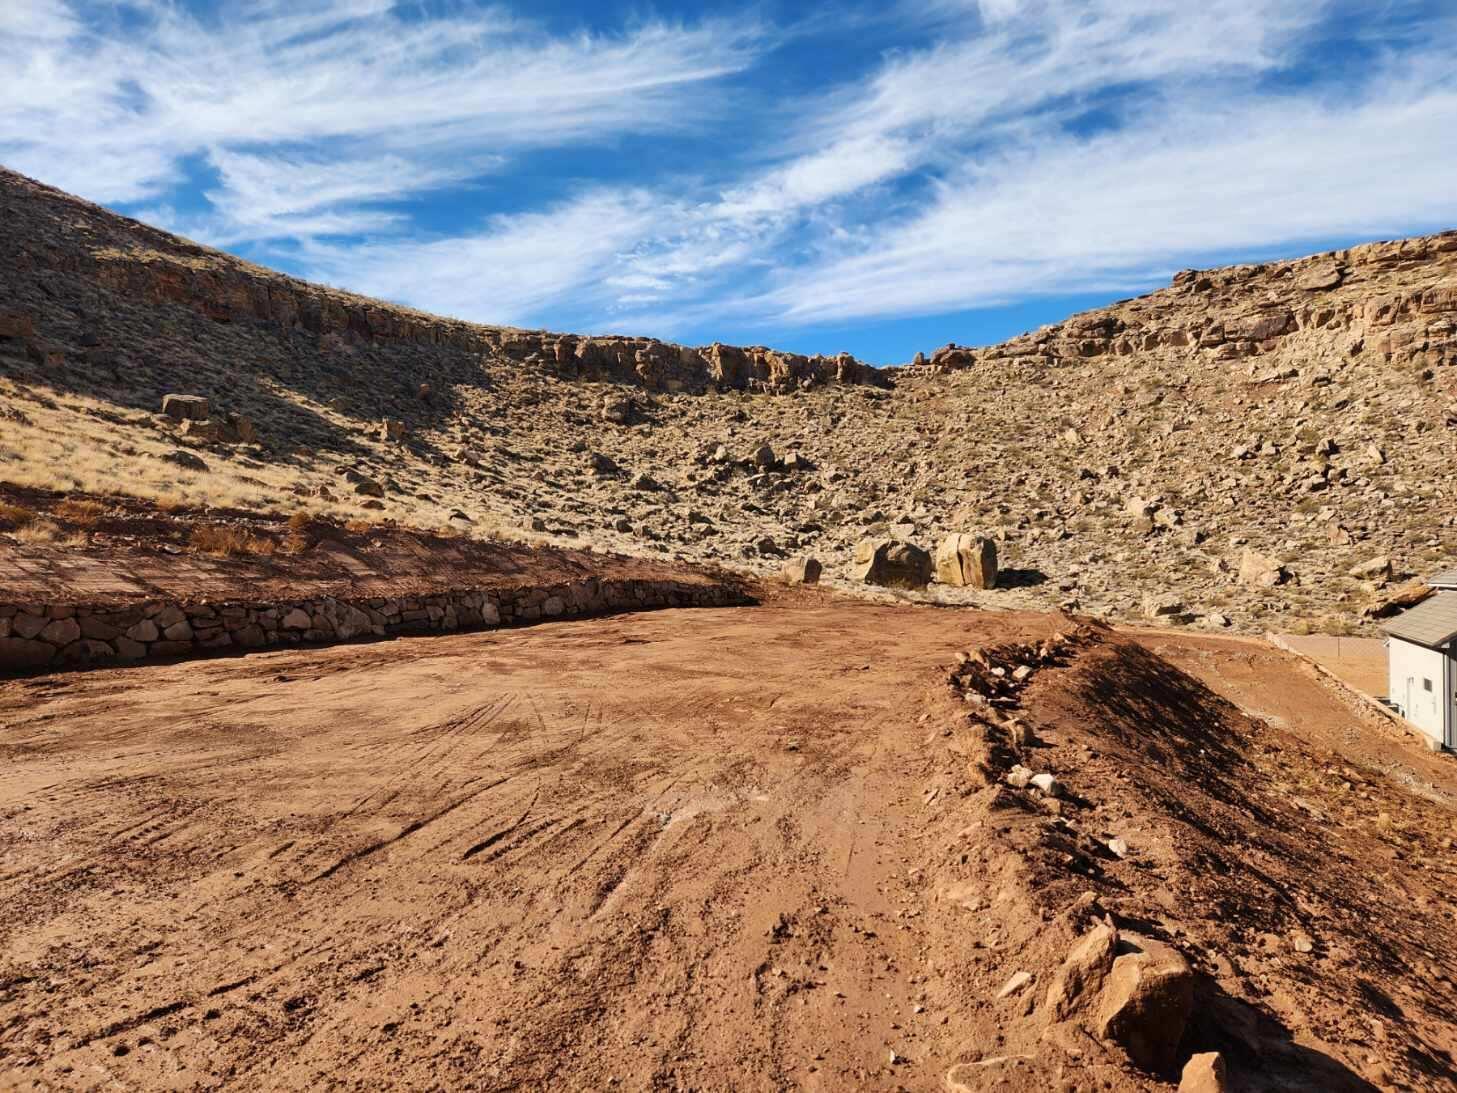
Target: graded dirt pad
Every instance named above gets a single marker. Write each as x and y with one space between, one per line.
718 849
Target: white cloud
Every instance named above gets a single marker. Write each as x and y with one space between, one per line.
1123 209
508 272
137 101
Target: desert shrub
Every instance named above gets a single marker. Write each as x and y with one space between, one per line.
358 526
80 512
299 520
230 542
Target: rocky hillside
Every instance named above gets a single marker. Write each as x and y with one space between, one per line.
1257 446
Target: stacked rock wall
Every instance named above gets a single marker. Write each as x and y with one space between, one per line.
40 636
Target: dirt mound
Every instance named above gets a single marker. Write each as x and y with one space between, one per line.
1140 810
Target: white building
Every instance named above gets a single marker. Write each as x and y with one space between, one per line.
1421 657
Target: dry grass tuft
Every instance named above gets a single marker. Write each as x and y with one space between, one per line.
17 516
230 542
37 530
299 520
358 526
81 513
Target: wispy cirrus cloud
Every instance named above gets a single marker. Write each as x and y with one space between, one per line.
112 99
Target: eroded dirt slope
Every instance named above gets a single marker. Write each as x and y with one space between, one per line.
759 849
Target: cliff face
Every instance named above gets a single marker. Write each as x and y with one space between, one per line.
46 229
1396 299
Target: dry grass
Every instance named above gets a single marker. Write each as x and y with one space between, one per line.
230 542
82 513
17 516
39 530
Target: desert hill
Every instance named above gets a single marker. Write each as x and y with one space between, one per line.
1262 445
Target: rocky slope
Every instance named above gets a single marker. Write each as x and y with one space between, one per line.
1264 445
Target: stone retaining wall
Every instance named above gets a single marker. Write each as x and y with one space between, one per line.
34 637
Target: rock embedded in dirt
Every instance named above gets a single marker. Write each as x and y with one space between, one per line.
891 563
763 457
1081 975
1146 1001
967 560
1204 1073
1015 984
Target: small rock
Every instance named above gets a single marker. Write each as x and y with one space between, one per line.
1014 984
1048 785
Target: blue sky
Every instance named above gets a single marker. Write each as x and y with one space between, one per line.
877 177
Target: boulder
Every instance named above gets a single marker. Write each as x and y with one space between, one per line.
391 429
763 457
891 563
804 570
967 560
185 407
601 464
1398 599
1260 570
1146 1001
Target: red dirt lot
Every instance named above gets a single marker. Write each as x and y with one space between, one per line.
718 849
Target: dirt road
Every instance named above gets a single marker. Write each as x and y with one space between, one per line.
672 850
